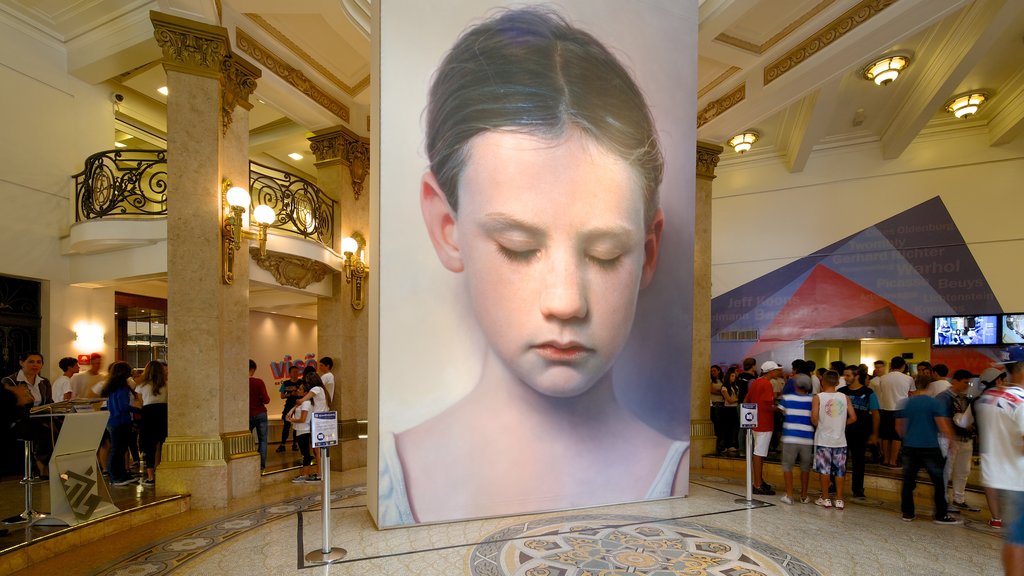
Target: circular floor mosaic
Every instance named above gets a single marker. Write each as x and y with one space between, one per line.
600 545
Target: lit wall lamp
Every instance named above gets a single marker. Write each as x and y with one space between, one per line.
884 71
356 269
967 104
88 336
742 142
237 200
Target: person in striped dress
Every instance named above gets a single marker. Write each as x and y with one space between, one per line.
797 436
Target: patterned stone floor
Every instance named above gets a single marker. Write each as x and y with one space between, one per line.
707 533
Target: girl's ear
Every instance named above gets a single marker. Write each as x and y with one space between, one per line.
440 220
651 244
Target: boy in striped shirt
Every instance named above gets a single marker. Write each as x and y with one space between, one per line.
797 436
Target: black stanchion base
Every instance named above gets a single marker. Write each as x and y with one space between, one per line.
319 557
26 516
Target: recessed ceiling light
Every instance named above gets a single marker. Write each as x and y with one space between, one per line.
742 142
162 90
120 145
966 105
884 71
295 156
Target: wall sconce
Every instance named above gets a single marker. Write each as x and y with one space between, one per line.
967 104
356 269
88 336
237 200
884 71
742 142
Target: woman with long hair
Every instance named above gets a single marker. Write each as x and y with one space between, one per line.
153 389
119 397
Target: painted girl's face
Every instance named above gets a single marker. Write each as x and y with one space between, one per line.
552 239
32 365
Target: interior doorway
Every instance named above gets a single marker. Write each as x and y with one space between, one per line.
867 351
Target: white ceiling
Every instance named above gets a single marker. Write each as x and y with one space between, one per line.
823 101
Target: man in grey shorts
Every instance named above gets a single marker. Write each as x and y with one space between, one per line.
797 436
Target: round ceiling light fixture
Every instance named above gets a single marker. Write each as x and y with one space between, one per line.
966 104
742 142
884 71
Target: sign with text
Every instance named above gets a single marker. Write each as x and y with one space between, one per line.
325 429
748 415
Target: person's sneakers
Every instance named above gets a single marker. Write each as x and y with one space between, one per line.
763 490
947 519
149 482
280 448
958 506
823 502
125 481
295 447
786 500
299 480
312 479
995 523
908 518
859 495
767 486
840 505
805 499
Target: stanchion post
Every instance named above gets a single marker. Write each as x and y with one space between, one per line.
325 434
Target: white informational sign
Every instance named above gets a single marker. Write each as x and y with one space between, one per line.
748 415
325 429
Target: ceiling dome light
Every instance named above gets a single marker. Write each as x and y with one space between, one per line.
966 105
742 142
884 71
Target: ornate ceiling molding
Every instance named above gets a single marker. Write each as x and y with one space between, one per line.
755 48
707 159
292 76
309 60
238 82
344 145
851 19
188 46
716 108
288 270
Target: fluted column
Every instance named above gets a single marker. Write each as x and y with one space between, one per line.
702 432
209 452
343 161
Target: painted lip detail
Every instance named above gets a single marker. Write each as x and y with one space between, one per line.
562 351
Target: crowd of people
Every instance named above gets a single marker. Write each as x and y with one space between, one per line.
135 399
831 420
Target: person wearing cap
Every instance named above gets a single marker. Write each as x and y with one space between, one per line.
1000 412
991 378
762 394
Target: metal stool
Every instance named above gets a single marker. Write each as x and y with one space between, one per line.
29 515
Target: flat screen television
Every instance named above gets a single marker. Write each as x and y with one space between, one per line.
1011 328
969 330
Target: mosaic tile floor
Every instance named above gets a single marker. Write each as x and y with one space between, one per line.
707 533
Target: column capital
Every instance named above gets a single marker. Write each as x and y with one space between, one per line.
189 46
341 144
238 82
707 159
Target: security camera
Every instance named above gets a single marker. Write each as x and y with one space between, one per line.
117 97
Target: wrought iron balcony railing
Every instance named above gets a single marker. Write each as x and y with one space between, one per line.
123 183
301 207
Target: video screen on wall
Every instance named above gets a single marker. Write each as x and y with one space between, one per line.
1011 328
972 330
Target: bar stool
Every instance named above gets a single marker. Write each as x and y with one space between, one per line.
29 515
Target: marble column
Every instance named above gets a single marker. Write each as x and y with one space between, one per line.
343 160
209 452
702 432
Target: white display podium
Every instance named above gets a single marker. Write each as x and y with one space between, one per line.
77 490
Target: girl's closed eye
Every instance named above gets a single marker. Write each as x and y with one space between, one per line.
516 254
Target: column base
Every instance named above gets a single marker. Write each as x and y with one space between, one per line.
702 441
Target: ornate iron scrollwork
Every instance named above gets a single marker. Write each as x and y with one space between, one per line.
122 183
302 208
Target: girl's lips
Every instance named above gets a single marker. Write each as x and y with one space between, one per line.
562 352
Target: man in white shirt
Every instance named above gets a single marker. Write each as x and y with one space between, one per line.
894 386
939 384
1000 416
83 382
323 368
62 385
